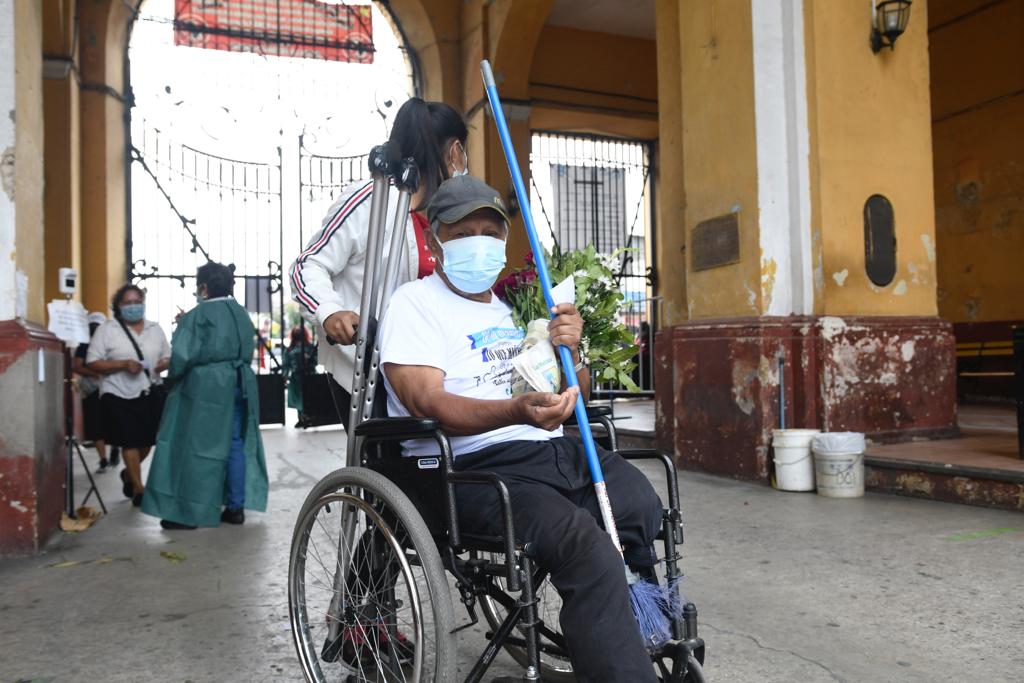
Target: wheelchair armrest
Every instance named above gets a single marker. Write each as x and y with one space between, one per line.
594 413
398 428
488 478
670 469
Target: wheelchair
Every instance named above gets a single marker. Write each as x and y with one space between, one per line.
377 553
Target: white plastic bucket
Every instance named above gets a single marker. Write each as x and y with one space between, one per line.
839 464
794 467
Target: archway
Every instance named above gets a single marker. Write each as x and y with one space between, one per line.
244 127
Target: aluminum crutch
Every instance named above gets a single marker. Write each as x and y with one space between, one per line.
382 166
407 181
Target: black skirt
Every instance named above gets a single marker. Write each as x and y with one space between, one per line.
92 418
130 423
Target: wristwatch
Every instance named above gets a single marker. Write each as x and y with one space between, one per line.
579 366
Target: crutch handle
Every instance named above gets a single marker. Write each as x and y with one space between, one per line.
384 160
407 175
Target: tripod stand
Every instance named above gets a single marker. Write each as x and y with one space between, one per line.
71 446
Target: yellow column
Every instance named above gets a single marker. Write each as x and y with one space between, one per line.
102 27
870 131
61 170
671 193
719 167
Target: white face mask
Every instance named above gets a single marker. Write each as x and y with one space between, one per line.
465 162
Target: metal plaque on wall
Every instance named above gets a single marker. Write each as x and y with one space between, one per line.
715 242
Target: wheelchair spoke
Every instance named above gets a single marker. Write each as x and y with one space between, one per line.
359 606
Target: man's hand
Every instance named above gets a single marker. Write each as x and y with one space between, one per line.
544 410
566 328
132 366
341 327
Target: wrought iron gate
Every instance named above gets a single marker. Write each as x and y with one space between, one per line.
595 190
188 207
321 179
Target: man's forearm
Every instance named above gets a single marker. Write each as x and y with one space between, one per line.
461 416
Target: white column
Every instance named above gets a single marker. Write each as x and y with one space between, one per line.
8 269
783 178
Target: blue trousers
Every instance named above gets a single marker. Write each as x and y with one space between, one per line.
235 483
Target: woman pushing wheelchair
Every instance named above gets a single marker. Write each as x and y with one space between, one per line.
327 276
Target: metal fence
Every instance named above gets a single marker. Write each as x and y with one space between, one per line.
595 190
189 206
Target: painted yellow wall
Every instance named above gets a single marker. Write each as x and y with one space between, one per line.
60 111
869 117
103 223
977 82
28 153
720 162
671 196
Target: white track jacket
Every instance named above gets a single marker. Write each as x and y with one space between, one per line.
327 277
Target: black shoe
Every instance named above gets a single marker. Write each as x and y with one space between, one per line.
230 516
103 466
168 524
126 485
115 456
137 500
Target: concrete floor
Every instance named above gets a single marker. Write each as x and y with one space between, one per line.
791 587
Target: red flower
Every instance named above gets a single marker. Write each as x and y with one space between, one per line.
529 258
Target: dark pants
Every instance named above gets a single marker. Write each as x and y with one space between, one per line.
556 513
342 401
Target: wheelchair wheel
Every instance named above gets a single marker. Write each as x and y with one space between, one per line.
367 594
554 659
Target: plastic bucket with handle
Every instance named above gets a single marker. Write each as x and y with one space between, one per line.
839 464
794 468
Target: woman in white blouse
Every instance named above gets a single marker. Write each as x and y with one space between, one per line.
130 352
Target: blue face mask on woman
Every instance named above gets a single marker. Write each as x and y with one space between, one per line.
133 313
472 264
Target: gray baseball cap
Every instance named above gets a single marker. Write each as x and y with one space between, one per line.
460 196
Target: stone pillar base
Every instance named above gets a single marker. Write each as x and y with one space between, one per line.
32 458
891 378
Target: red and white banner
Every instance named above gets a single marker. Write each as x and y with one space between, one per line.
282 28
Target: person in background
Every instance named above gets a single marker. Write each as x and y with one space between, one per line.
299 359
209 452
327 277
130 352
89 389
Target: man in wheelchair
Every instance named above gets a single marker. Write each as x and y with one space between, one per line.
447 344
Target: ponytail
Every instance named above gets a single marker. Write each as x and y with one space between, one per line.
421 130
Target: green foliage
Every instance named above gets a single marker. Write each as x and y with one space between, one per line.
607 344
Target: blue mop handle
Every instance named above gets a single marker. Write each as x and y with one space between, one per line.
545 282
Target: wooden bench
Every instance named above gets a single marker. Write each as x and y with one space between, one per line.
996 362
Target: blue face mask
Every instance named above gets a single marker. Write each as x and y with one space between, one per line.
472 264
133 313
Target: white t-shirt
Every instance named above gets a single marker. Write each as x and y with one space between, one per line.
472 342
111 343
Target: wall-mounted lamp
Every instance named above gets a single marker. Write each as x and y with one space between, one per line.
890 21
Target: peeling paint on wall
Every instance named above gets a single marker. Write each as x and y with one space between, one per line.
929 247
907 351
841 276
7 172
768 272
768 371
742 377
900 289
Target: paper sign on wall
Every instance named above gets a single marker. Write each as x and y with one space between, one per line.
68 321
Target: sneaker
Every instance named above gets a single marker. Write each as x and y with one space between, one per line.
115 456
236 516
103 466
168 524
365 644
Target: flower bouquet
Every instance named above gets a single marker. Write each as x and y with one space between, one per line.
607 344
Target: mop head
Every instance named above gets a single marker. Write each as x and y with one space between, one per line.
655 608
